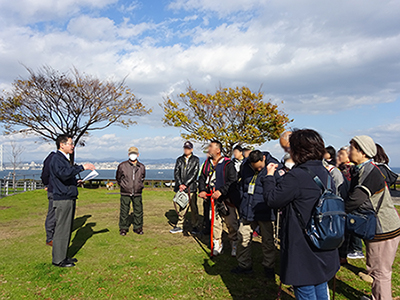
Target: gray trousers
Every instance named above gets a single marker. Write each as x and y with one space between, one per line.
65 212
50 223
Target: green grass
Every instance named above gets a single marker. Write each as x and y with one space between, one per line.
157 265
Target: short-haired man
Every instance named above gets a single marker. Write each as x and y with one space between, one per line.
217 175
185 173
130 177
238 157
65 193
253 212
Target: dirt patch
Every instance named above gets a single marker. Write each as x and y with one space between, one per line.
4 207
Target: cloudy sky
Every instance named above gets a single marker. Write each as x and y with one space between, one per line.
336 65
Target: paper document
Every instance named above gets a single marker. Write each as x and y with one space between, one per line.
91 175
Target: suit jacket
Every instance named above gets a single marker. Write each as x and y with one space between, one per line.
62 177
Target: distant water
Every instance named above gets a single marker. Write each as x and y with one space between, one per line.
162 174
156 174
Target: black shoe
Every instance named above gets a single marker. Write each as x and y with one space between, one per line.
122 232
242 271
195 231
64 264
269 273
206 231
138 231
72 260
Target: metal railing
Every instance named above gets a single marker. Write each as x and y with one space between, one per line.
16 183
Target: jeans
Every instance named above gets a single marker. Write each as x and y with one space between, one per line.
312 292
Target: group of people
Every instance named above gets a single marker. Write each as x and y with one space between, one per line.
250 191
253 188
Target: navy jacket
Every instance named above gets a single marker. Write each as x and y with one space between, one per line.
252 207
62 177
46 172
301 262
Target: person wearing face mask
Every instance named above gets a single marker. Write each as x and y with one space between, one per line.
130 177
287 162
253 212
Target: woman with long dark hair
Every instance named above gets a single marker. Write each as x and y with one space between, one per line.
303 266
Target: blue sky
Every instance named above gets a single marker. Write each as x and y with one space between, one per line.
335 65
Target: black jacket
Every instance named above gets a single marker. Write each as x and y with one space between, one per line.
46 172
62 177
301 262
252 207
186 174
229 177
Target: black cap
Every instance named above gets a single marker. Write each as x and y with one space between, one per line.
188 145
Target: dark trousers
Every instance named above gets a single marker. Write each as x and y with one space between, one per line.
206 216
50 223
65 212
124 220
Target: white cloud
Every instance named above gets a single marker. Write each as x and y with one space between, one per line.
318 57
35 11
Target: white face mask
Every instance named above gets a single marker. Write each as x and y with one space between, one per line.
132 156
289 165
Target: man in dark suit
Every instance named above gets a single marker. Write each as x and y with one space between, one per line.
65 193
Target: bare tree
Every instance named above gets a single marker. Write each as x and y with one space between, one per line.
49 103
15 157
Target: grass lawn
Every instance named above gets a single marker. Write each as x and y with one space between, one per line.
156 265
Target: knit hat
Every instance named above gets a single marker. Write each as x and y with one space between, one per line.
366 144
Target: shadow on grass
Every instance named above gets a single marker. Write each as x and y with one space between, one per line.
346 290
80 221
254 286
81 237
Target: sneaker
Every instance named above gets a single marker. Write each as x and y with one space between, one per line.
355 255
218 246
234 249
176 230
239 270
195 231
122 232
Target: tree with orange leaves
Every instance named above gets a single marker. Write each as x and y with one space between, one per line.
231 115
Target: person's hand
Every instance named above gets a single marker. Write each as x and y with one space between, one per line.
216 195
182 187
271 168
79 182
203 195
89 167
46 188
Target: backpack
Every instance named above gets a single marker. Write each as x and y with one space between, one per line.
326 228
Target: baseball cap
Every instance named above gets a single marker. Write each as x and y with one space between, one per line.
188 145
133 150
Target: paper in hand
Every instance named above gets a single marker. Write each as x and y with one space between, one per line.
90 176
